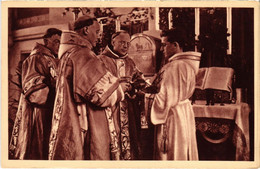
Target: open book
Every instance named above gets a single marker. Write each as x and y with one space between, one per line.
218 78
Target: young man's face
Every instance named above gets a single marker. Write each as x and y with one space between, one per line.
93 33
54 43
121 43
169 49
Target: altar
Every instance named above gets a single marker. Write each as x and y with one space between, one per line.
222 131
217 124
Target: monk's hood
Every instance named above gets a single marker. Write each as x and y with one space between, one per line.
193 58
110 53
70 39
39 48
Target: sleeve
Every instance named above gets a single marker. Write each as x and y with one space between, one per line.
168 96
92 80
34 84
106 92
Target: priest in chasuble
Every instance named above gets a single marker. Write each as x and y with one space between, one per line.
30 136
171 109
125 114
81 126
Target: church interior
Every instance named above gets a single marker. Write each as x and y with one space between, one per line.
224 113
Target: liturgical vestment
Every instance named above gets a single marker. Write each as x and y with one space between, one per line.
80 128
30 137
172 111
126 114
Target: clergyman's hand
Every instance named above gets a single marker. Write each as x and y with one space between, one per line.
126 86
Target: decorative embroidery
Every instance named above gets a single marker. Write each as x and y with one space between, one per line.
218 130
213 127
101 89
33 82
57 109
144 123
125 153
53 72
16 129
148 102
52 68
115 149
125 139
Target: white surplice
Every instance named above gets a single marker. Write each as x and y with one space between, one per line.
172 111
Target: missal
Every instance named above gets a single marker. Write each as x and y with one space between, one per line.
218 78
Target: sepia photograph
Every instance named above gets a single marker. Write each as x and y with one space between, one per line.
130 84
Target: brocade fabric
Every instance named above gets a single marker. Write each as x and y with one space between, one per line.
30 137
84 90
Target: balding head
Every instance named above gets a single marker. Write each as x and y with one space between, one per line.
120 42
88 27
